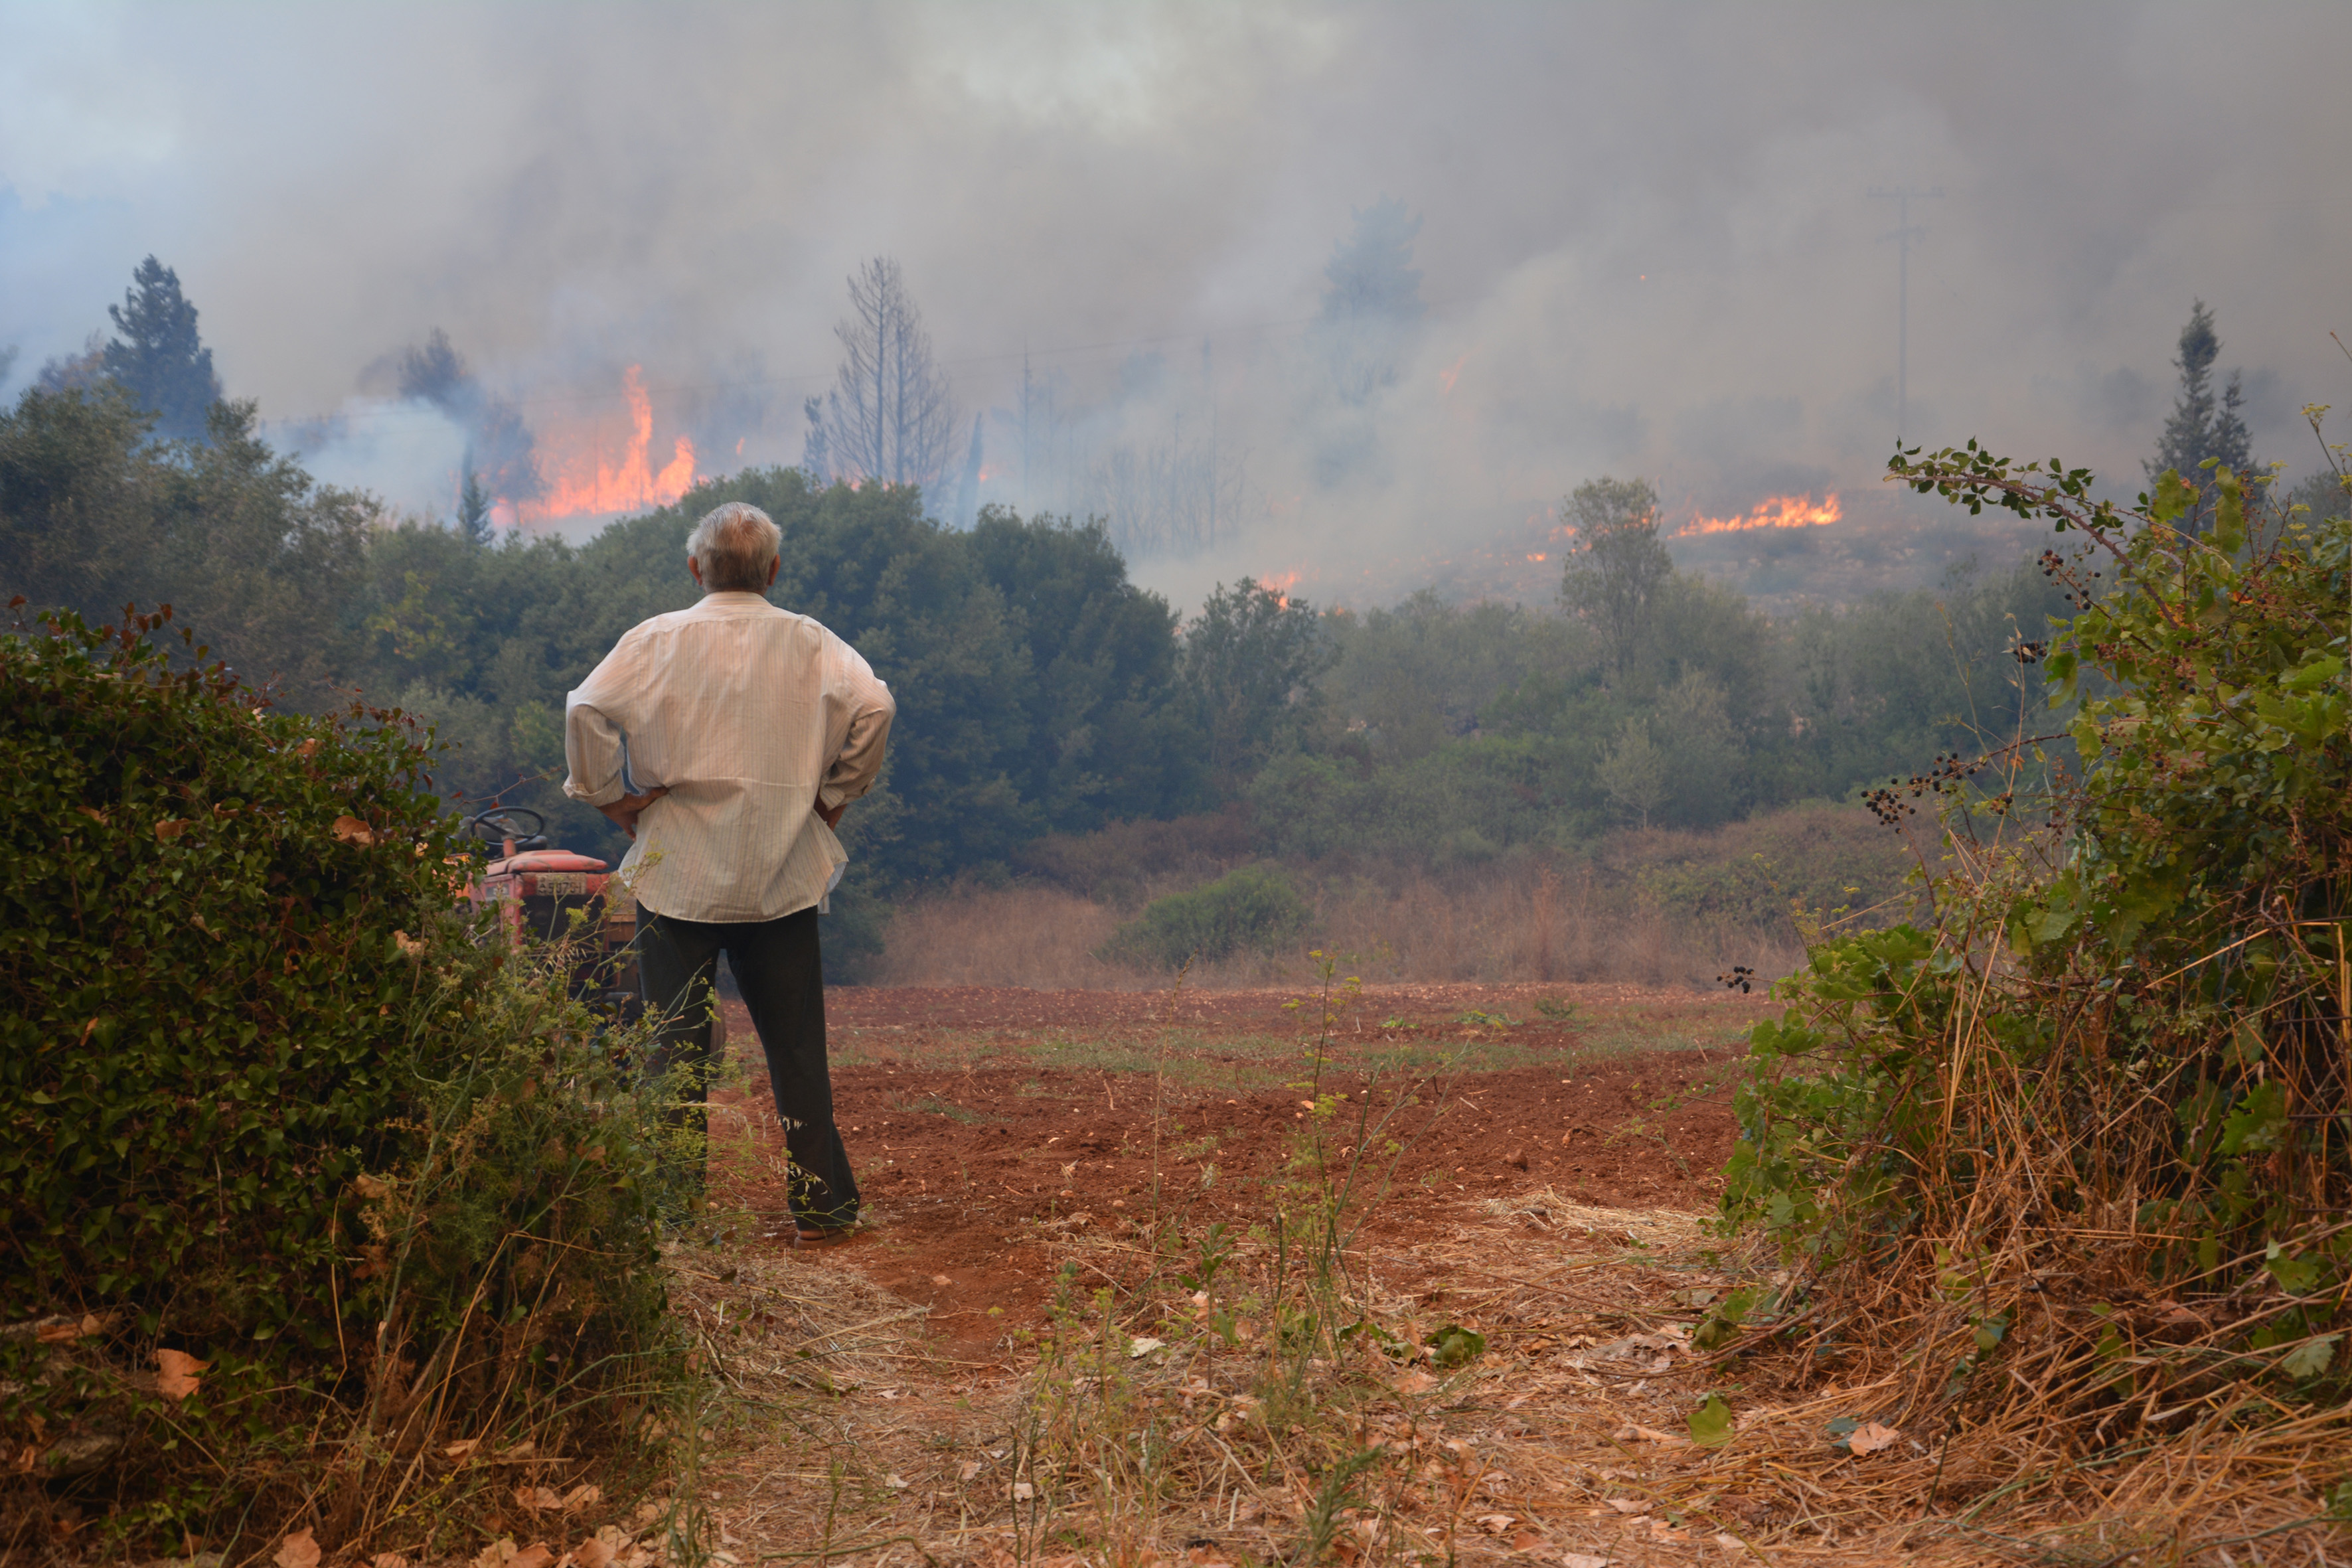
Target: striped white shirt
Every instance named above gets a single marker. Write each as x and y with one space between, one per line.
750 716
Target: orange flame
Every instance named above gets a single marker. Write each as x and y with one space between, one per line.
1779 511
1280 587
580 480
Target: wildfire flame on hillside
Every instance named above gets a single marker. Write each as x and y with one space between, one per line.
583 480
1779 511
1280 587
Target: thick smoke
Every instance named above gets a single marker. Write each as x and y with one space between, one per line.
1642 237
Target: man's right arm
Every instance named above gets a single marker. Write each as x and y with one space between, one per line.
595 727
595 745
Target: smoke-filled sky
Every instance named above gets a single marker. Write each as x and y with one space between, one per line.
1646 240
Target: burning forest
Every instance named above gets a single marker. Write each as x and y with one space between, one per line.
1501 872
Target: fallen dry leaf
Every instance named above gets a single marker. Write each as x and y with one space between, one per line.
1495 1524
1626 1504
175 1378
347 830
170 827
1729 1542
1415 1380
308 748
537 1498
462 1447
1581 1560
970 1469
93 813
1144 1347
298 1550
64 1330
1872 1438
593 1553
1633 1433
586 1495
538 1555
372 1188
897 1483
387 1560
1660 1531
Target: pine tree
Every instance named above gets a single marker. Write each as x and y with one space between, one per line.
474 509
2202 425
159 359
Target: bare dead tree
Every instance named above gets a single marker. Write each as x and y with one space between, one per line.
891 417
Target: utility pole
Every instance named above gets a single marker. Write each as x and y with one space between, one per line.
1902 196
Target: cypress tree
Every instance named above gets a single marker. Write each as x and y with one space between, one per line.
2202 425
159 359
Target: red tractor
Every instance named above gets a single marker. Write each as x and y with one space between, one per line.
537 892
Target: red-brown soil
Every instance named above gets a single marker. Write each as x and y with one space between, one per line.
984 1122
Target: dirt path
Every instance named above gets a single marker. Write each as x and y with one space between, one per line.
988 1126
1540 1178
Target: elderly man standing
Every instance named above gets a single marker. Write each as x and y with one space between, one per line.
727 739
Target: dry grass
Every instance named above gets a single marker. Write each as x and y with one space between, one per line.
1566 1442
1040 937
1519 923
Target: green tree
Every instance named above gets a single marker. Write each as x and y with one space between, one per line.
474 509
157 356
1424 673
2202 425
1634 771
1618 565
1254 661
93 515
1101 655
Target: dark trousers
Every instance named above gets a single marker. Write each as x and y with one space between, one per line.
776 964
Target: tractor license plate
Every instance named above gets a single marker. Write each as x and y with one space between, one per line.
547 884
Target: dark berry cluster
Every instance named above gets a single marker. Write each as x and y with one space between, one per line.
1741 979
2078 587
1889 805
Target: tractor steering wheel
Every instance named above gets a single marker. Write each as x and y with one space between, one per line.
502 823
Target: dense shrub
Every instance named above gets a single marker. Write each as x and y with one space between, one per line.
2113 1068
1251 907
268 1101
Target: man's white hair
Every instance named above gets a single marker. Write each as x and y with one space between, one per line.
734 545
